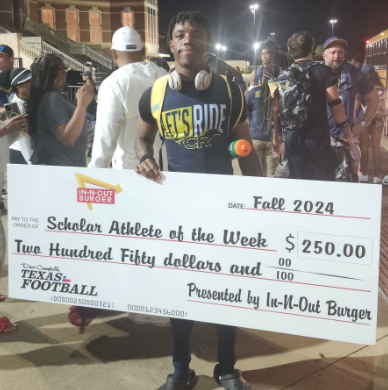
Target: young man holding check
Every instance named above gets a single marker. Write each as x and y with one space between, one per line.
198 114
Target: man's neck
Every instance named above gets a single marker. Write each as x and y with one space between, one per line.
189 74
305 58
123 63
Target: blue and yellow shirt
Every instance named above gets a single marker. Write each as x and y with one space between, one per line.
197 125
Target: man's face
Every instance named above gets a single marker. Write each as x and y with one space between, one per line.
334 57
6 62
267 57
189 45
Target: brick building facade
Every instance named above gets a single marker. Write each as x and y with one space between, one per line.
89 21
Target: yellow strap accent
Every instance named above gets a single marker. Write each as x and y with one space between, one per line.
231 100
158 93
241 111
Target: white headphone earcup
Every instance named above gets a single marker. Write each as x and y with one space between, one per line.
174 80
203 80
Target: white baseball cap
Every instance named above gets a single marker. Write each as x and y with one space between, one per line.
127 39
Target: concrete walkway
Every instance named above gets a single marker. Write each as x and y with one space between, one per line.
114 353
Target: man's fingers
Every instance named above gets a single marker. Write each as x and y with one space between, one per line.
149 169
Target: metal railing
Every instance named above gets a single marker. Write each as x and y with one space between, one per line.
68 60
71 93
99 57
50 35
29 50
66 44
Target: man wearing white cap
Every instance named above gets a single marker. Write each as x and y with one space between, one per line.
118 100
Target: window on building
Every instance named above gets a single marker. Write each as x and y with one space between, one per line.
72 24
153 2
95 26
48 16
152 26
127 18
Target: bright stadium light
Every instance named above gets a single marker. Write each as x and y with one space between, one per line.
333 22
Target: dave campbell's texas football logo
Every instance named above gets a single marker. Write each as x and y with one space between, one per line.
106 195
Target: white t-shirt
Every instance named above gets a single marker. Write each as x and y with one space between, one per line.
23 144
118 115
5 142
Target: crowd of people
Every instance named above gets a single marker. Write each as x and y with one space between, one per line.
294 112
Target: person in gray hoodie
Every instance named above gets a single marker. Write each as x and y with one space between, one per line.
118 100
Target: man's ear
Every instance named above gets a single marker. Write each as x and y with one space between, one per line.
114 54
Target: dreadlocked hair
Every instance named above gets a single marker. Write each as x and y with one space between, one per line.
191 17
44 72
6 77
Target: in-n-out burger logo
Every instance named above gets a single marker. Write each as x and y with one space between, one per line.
106 195
95 195
56 282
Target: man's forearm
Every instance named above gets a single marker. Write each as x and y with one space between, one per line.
143 146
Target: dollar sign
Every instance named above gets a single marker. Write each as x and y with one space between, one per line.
288 239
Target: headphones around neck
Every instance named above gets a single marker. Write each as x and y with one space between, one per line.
202 80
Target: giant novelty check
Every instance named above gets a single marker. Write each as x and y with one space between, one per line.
298 257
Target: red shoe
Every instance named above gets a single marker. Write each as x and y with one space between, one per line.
6 326
82 316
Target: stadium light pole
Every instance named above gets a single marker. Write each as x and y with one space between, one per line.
255 47
254 8
333 22
224 50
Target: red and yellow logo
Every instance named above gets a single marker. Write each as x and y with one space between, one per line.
104 195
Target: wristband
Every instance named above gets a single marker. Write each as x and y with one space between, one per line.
146 157
343 124
335 103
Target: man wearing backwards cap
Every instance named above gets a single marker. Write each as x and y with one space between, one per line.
118 100
6 62
351 82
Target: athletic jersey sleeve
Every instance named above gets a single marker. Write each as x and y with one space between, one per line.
145 107
366 87
238 104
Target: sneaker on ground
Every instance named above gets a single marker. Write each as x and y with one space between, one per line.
364 178
377 180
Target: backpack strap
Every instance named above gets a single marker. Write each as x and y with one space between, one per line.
231 104
158 93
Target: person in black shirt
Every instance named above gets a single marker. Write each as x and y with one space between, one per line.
198 119
308 149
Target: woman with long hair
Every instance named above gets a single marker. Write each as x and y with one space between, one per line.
372 135
57 127
17 82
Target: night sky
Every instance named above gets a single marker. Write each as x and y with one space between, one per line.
232 20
